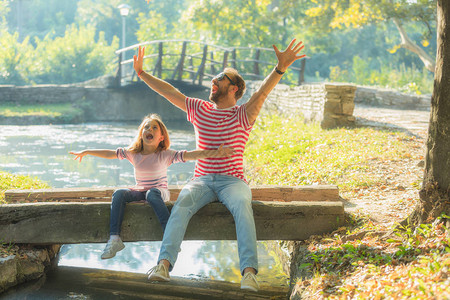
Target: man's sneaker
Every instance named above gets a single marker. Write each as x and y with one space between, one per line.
112 247
249 282
158 273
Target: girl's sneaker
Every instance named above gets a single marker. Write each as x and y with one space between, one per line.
112 247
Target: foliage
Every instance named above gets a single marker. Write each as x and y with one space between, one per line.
306 154
40 18
4 10
405 79
414 264
10 181
13 58
334 32
76 57
328 15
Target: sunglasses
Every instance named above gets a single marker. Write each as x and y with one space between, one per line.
222 75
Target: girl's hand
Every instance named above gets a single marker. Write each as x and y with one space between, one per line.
225 151
78 155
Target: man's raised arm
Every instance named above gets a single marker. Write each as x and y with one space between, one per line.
160 86
285 59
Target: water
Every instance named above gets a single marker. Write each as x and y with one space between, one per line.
43 151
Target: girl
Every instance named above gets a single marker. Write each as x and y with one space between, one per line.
150 155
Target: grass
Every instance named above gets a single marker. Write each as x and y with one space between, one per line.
42 110
9 181
288 152
60 112
356 261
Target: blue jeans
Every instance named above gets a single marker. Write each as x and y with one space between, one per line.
123 196
235 194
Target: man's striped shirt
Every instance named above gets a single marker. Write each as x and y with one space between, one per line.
214 127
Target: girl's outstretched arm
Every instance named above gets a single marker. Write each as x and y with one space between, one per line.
198 154
109 154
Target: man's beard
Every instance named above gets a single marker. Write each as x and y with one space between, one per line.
216 96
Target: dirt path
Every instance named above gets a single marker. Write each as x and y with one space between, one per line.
393 200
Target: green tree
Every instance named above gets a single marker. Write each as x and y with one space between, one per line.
331 14
234 23
39 18
75 57
13 58
105 17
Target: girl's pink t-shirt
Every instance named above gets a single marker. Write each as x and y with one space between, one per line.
150 170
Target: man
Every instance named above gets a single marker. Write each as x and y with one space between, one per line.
218 122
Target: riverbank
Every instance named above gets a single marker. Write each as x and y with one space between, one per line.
20 264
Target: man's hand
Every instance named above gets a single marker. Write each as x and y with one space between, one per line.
288 56
139 60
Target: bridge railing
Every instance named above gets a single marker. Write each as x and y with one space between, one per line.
199 62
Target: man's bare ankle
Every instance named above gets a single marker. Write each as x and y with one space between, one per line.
249 269
165 262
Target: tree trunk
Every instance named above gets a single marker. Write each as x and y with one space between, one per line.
408 44
435 192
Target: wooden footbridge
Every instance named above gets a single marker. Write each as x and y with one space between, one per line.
199 62
81 215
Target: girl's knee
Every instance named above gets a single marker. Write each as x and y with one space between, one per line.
153 196
120 195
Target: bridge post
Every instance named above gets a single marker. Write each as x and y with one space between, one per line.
301 72
119 72
256 63
233 60
213 69
201 68
179 69
158 66
225 60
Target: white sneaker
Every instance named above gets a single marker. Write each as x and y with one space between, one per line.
249 282
158 273
112 247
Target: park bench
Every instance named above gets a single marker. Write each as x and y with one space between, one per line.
81 215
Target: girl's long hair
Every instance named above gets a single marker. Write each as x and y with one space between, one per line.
137 145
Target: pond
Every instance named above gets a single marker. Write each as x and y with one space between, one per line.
42 151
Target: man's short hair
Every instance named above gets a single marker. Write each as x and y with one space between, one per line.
240 82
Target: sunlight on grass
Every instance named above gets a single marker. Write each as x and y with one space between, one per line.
288 152
10 181
47 110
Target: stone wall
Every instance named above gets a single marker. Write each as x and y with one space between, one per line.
26 265
391 98
329 103
102 104
332 104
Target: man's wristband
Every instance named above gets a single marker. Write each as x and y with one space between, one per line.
140 72
278 71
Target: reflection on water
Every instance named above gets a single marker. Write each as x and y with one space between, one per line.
198 259
42 151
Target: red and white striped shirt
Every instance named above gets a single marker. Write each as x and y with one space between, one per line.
214 127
